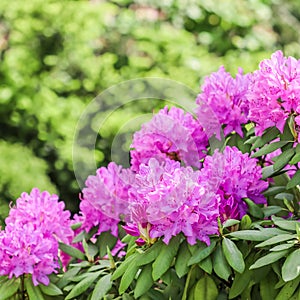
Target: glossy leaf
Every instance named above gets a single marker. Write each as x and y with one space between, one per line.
102 287
283 159
266 149
123 266
72 251
220 264
206 289
183 256
277 239
51 289
144 281
294 181
9 287
150 254
202 253
206 265
288 289
128 276
83 285
233 255
269 258
165 257
34 292
291 266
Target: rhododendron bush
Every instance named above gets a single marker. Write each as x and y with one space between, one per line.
186 220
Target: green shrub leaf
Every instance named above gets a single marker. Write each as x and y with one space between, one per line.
144 281
220 264
268 259
291 266
233 255
202 253
102 287
9 287
165 257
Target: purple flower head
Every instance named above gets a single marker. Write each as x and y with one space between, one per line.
105 198
170 134
26 250
274 92
29 243
42 210
223 103
168 199
241 179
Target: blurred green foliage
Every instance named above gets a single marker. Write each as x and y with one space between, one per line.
56 56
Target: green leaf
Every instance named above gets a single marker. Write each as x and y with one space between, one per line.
105 239
9 287
251 235
274 190
233 255
202 253
269 135
271 210
282 247
239 284
102 287
283 196
294 181
230 222
206 289
295 159
73 252
51 289
269 258
150 254
267 287
245 222
266 149
206 265
288 289
220 265
254 209
165 257
124 265
277 239
285 224
67 277
144 281
128 277
291 266
183 256
83 285
283 159
34 292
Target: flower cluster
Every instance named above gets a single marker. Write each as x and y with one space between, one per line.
241 179
29 243
273 92
167 199
171 133
105 199
223 103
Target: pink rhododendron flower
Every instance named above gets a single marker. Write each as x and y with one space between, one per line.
274 92
241 179
42 210
222 102
29 243
170 134
167 199
26 250
105 198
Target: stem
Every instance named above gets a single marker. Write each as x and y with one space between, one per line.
187 283
22 287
